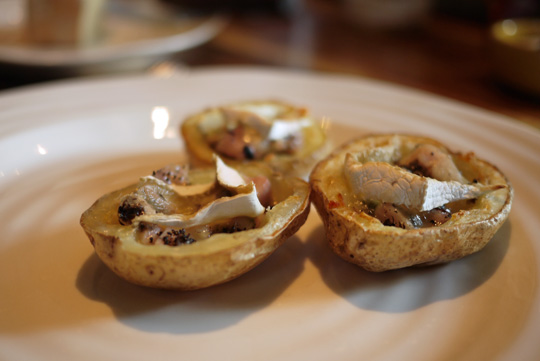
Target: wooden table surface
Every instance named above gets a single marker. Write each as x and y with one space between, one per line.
445 55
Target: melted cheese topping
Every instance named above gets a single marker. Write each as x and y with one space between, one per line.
226 176
244 202
283 128
271 121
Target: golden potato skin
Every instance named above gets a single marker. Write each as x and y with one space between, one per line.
299 164
363 240
218 259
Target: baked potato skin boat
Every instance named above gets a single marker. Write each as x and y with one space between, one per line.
300 162
362 239
215 260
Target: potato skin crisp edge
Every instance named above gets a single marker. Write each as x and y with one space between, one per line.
362 240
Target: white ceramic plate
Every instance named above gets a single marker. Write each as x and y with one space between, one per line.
65 145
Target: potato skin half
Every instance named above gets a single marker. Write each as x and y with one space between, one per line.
216 260
315 148
362 239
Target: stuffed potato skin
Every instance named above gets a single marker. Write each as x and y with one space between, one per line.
296 163
215 260
360 238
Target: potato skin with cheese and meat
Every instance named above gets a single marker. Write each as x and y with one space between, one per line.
221 257
358 236
240 132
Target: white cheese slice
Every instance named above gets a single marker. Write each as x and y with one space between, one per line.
211 121
239 115
266 111
243 204
282 129
383 153
265 119
226 176
380 181
182 190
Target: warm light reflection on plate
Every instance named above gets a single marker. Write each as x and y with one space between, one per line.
135 35
160 118
41 150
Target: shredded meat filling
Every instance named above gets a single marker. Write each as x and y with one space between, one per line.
233 225
244 143
151 199
153 234
175 174
288 145
392 215
428 161
133 206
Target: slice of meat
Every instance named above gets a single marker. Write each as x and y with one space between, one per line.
264 189
383 182
430 161
390 215
232 144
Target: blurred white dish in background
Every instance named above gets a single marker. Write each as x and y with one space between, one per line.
134 34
